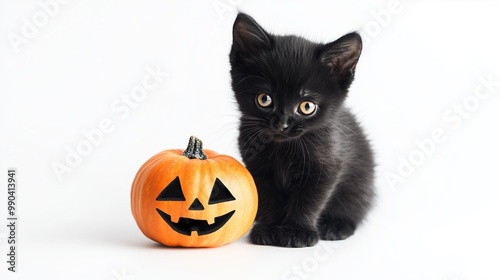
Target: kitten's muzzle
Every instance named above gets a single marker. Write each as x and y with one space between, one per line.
279 125
283 129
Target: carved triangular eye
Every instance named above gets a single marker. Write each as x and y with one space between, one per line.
172 192
220 193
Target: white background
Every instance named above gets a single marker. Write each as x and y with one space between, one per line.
420 59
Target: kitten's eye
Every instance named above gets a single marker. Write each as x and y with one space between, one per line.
307 107
264 100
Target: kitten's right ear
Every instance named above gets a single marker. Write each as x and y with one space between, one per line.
248 35
342 55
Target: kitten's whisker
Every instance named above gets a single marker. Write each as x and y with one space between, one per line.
253 76
340 130
254 134
348 128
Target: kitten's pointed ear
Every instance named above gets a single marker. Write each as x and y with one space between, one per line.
342 55
248 35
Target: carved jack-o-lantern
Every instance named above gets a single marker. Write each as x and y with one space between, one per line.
193 198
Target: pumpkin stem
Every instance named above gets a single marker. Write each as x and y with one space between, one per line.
194 149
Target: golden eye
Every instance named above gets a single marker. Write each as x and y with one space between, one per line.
307 107
264 100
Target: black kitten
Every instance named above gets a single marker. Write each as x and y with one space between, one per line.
311 162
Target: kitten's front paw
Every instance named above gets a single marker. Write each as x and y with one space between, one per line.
283 236
336 229
297 237
264 234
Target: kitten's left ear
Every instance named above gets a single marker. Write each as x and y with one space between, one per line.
342 55
248 36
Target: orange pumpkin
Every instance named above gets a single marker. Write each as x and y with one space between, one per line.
193 198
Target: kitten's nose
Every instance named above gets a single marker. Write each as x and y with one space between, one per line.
283 127
280 124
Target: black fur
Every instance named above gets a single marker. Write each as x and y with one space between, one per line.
314 173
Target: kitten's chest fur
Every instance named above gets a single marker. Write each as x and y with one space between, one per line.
284 166
290 164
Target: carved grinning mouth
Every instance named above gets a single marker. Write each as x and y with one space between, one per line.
186 225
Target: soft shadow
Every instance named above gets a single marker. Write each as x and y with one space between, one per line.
125 235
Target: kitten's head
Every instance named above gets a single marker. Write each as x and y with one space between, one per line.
286 85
